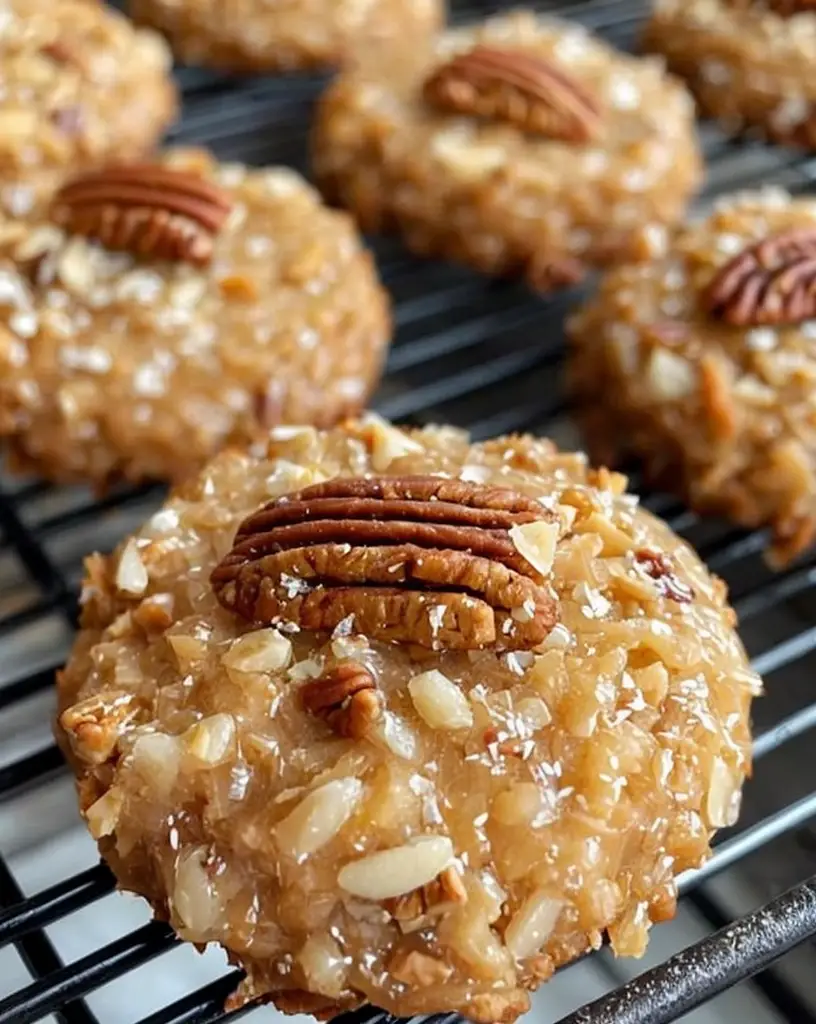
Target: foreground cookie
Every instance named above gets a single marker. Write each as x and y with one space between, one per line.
282 36
402 720
702 363
80 85
749 62
523 146
156 312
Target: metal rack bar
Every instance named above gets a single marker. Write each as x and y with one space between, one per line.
693 977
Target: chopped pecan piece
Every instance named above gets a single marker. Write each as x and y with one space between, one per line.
93 726
772 282
155 613
416 909
517 87
346 697
418 969
418 560
145 209
499 742
659 567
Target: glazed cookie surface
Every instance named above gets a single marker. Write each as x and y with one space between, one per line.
152 313
399 719
748 62
282 35
702 363
80 85
522 146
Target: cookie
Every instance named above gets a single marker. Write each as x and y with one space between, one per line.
702 364
259 35
152 313
80 85
749 63
403 720
522 146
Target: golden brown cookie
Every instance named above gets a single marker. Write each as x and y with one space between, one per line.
520 146
285 35
403 720
152 313
749 62
80 85
702 363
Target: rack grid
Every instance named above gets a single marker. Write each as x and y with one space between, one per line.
481 355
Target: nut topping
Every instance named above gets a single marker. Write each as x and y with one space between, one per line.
93 726
516 87
419 560
416 909
346 697
145 209
659 568
772 282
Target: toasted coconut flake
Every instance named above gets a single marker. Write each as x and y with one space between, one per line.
723 801
536 543
387 443
439 702
195 901
156 757
532 924
264 650
210 740
103 815
318 818
324 965
131 573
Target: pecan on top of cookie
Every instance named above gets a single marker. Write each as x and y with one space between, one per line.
145 209
517 87
769 282
443 564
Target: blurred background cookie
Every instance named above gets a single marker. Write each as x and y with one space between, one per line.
79 84
749 62
702 363
520 146
284 35
157 311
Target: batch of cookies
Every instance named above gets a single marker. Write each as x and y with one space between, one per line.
393 717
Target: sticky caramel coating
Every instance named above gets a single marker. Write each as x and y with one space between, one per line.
723 415
517 805
80 85
491 195
113 366
748 66
284 35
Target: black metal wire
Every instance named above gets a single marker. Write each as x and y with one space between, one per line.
483 355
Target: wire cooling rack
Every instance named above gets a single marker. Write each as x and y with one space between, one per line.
483 356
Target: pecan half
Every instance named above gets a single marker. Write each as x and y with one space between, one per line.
94 725
346 697
659 567
145 209
772 282
516 87
413 559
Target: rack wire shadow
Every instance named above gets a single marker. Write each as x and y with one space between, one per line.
484 356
